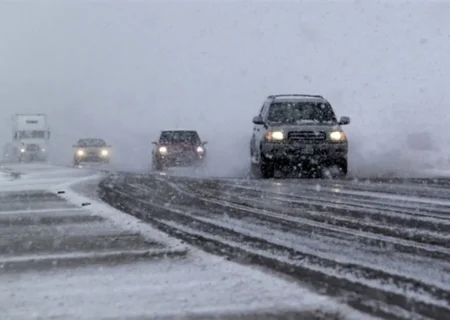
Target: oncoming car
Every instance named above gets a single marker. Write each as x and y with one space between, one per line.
178 148
298 131
91 150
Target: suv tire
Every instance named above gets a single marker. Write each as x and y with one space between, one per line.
343 166
341 171
267 168
157 166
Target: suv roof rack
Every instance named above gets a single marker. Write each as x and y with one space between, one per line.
294 95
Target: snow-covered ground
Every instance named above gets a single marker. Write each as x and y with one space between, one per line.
196 283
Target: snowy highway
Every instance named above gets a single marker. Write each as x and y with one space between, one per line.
380 245
156 159
189 248
67 255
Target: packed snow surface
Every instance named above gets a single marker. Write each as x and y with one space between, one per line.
172 286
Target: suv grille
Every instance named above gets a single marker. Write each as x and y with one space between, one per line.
306 136
33 147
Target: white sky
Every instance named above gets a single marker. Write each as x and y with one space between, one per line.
123 70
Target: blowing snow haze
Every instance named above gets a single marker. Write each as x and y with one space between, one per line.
123 71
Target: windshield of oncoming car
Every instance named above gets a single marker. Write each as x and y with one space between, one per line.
174 137
301 112
92 143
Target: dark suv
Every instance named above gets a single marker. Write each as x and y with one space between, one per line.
178 148
300 131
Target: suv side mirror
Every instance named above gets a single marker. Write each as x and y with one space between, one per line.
204 142
258 120
74 146
154 142
344 120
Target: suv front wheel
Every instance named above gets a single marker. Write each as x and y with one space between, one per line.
342 168
157 165
337 169
266 167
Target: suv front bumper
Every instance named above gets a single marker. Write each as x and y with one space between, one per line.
92 158
180 160
314 153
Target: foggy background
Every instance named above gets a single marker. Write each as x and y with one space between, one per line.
123 71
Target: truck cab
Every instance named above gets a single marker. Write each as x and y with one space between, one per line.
31 135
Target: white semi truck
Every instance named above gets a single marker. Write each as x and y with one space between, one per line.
31 135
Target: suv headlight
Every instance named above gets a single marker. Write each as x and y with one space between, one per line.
275 136
80 152
200 150
162 150
105 152
338 136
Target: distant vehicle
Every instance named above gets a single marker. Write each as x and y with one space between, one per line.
178 148
9 153
91 150
31 135
301 131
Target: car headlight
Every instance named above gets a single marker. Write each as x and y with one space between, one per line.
80 152
22 150
105 153
200 150
162 150
337 136
275 136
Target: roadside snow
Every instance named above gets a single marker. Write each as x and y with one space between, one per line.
163 288
4 176
37 176
5 173
437 173
121 219
174 287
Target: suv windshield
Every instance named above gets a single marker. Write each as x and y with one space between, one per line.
301 112
92 143
173 137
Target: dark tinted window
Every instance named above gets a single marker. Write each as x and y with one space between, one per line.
92 143
173 137
301 112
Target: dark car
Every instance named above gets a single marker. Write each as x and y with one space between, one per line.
178 148
91 150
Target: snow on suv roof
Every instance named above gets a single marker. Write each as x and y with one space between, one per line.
296 97
299 99
177 130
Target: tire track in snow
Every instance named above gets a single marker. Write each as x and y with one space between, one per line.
170 207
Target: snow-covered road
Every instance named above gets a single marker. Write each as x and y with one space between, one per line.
381 244
66 255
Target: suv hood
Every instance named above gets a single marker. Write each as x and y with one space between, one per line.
307 127
180 147
92 148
